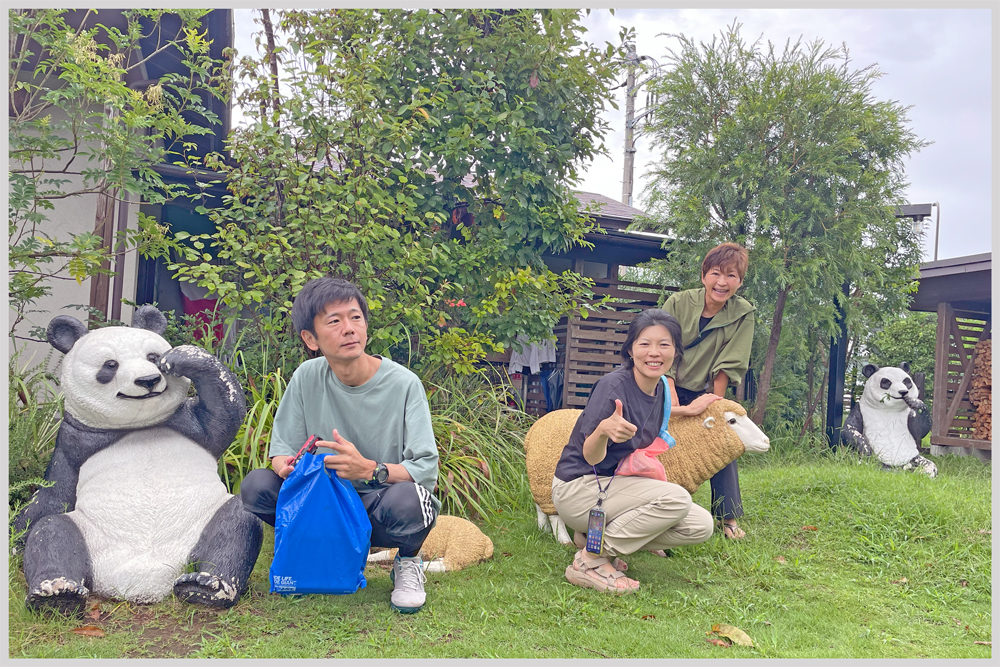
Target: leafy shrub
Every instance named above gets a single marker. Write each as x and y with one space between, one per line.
35 412
249 450
479 438
396 156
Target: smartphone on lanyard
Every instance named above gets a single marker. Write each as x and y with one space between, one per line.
595 531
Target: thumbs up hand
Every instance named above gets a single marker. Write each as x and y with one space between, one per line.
616 427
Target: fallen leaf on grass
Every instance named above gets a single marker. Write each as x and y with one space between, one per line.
95 612
649 617
780 559
733 633
718 642
984 643
507 554
963 583
89 631
983 531
901 580
809 528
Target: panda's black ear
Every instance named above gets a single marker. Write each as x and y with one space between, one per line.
906 367
148 317
869 370
63 332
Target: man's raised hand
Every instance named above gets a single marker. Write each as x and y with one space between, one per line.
616 427
348 461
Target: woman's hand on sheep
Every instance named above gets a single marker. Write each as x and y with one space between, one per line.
616 427
697 406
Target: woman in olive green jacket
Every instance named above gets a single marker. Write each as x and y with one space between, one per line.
717 332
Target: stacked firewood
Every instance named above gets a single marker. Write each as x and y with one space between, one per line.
980 392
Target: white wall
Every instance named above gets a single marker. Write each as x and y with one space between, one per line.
70 216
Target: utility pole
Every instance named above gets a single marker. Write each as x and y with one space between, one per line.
633 62
630 92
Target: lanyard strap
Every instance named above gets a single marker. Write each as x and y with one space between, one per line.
603 493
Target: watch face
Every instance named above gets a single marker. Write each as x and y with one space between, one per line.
381 473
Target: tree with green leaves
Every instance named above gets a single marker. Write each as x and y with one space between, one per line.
787 152
910 337
426 155
77 129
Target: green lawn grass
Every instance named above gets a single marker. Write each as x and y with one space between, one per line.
899 566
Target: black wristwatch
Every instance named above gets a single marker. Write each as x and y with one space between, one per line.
381 474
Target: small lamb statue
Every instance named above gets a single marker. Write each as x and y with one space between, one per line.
453 544
706 444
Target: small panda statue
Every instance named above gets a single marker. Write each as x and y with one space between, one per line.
890 420
137 496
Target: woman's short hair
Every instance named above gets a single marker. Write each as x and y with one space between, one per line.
317 293
726 256
650 318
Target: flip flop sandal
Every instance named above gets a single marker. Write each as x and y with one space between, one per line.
729 532
577 573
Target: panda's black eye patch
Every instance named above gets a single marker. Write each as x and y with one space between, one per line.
153 357
885 383
907 383
107 372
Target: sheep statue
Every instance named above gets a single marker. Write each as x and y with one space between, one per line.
453 544
706 444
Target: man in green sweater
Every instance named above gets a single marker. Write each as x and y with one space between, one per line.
376 424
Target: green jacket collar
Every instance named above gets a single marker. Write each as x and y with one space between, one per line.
735 308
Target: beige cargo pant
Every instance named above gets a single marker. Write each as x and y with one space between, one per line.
640 513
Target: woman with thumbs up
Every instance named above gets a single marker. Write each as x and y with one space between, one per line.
625 514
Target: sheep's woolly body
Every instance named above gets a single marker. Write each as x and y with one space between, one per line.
543 445
700 452
454 541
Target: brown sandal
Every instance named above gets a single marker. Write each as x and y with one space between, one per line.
579 574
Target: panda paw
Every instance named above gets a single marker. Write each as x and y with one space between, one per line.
60 595
207 589
927 467
184 360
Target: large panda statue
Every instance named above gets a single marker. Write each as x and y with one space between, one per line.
137 497
890 420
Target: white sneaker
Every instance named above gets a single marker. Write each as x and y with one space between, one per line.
408 579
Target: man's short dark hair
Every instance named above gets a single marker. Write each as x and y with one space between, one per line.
649 318
317 294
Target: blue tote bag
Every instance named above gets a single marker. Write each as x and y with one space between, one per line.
321 533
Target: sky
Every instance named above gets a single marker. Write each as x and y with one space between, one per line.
938 61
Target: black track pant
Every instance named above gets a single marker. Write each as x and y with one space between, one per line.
401 514
726 501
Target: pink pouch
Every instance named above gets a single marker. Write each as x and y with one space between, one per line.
643 462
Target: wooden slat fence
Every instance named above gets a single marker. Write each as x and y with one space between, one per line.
593 342
952 413
587 348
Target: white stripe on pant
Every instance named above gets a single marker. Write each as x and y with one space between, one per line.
641 513
426 507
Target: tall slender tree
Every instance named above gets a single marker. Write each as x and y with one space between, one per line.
788 152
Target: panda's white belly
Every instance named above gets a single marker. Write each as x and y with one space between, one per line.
889 435
141 505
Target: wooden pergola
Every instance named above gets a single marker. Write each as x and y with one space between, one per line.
959 291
